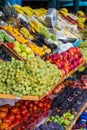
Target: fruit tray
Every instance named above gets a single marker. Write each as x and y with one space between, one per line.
77 117
37 98
9 51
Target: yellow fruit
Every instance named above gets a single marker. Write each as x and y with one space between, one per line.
17 6
80 13
64 10
19 11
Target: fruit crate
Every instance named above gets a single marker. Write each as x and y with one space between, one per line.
13 53
9 51
76 117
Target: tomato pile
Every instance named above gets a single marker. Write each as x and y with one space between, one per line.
23 114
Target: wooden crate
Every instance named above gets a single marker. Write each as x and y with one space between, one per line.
10 52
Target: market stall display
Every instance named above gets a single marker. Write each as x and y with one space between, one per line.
35 62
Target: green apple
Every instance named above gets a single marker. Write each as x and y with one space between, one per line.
24 55
17 44
66 122
17 49
71 117
23 47
28 50
82 69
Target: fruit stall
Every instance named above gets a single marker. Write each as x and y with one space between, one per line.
43 68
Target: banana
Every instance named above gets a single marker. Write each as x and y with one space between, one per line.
64 10
20 11
17 6
64 13
82 20
25 30
80 13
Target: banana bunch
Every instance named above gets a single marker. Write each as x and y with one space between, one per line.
24 10
18 8
28 11
81 19
80 14
39 12
26 33
63 11
35 26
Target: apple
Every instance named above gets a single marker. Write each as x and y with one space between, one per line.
10 45
60 64
17 49
16 44
24 55
63 72
28 50
60 57
66 122
23 47
28 44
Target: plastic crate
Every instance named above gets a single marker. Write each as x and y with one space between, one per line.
12 2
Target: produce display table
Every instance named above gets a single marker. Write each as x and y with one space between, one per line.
43 71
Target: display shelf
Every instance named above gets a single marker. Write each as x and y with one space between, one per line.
77 117
37 98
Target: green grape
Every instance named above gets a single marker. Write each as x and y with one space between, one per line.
33 77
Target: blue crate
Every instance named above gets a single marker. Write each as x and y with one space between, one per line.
12 2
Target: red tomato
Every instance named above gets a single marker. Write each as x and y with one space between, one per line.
26 103
14 110
23 107
31 105
3 108
2 114
36 103
0 121
18 117
11 117
24 112
3 126
40 105
35 108
7 120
